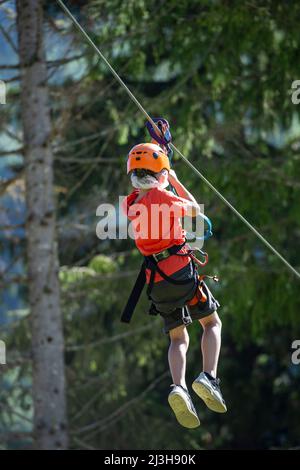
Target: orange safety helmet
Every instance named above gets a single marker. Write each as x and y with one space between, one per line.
147 157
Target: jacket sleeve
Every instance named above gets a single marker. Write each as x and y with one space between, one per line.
178 204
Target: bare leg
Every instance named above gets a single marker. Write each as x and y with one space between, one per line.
206 388
177 354
211 343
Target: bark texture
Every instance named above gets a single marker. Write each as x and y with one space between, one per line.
50 423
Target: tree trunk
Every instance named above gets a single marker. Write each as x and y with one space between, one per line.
50 423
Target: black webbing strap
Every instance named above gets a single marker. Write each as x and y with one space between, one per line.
154 268
152 264
135 295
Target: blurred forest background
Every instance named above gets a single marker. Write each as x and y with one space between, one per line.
221 73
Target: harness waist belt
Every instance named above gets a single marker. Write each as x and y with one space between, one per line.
150 262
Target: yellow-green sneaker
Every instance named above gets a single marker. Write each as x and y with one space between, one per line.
209 391
183 408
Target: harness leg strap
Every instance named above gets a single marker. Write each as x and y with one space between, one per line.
134 296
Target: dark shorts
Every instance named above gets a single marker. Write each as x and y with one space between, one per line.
170 300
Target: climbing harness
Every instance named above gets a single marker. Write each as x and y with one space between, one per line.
151 263
172 146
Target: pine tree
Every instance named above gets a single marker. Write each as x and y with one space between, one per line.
44 296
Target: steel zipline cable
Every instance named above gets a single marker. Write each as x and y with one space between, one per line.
142 109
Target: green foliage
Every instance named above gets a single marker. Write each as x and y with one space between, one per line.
102 264
221 73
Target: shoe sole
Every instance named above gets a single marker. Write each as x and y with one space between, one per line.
183 414
208 397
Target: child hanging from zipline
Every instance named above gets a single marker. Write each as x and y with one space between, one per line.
175 289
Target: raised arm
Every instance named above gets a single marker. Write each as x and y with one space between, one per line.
193 208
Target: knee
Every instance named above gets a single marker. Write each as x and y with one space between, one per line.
179 337
218 322
213 321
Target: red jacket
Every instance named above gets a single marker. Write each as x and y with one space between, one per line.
156 225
